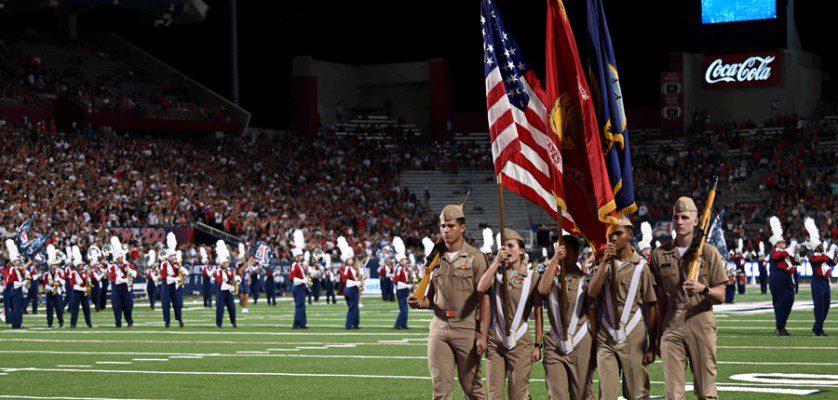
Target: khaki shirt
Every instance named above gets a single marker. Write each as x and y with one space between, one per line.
670 270
645 289
573 279
455 299
515 287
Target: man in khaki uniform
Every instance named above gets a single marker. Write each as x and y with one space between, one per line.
622 341
688 329
456 340
568 361
510 346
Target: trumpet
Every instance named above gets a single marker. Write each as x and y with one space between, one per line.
106 250
88 283
361 278
181 279
235 286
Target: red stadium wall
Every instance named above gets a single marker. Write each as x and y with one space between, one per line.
304 116
138 123
441 99
15 112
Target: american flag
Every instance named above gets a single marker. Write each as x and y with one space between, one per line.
526 157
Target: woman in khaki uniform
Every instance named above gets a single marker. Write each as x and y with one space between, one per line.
688 329
568 361
510 351
458 337
622 345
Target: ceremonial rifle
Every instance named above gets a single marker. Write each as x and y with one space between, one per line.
439 246
704 231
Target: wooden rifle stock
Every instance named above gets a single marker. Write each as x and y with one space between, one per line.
420 290
704 232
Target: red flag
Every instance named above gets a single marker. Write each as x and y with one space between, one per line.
589 198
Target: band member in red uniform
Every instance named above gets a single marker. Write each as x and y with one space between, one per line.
227 281
80 290
53 283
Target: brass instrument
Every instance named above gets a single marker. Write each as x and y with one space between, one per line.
181 279
87 282
106 250
361 276
235 290
56 285
28 280
130 279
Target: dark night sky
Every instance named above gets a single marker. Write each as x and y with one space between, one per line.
368 32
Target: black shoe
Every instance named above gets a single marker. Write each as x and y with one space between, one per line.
118 326
131 324
49 326
167 326
235 326
89 325
61 325
782 332
72 327
181 324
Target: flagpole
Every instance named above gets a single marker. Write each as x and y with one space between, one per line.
504 279
562 277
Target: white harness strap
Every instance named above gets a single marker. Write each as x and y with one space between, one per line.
574 337
518 329
626 325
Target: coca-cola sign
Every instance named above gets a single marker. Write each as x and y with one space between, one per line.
742 70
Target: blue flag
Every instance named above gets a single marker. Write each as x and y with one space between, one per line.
35 246
717 235
605 81
261 252
23 233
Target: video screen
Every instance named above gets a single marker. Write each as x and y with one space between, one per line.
724 11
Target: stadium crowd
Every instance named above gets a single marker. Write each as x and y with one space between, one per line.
74 187
120 89
789 173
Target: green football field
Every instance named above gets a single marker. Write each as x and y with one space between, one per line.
265 358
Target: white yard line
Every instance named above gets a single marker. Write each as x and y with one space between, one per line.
721 386
11 396
238 333
327 356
